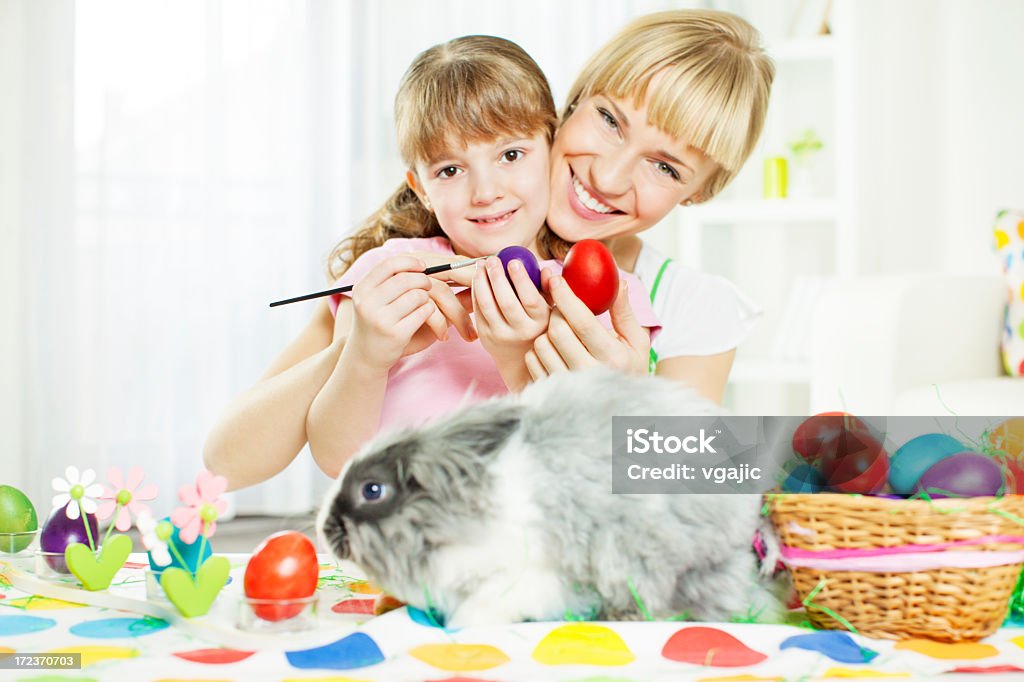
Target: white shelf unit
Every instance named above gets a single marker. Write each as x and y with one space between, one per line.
780 251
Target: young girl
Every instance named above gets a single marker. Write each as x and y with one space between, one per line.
475 119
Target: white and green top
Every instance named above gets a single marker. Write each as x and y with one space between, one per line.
700 313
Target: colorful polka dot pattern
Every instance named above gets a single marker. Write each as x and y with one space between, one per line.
1009 242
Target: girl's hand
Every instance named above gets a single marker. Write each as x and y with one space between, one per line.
576 340
391 304
509 316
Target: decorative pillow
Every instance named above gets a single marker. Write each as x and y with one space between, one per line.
1009 233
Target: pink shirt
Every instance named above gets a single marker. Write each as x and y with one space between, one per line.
449 374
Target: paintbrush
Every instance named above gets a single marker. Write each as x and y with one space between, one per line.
348 287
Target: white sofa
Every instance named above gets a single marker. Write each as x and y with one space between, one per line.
912 345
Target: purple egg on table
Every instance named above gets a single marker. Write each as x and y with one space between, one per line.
524 256
59 531
965 474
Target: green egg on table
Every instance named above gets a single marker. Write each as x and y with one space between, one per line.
17 515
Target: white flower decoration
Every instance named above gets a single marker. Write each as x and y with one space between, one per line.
156 547
79 489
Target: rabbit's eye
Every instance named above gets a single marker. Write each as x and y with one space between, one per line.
373 491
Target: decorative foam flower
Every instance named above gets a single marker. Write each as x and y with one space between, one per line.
76 488
125 497
154 536
204 506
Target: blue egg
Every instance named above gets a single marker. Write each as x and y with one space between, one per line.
804 478
190 553
917 456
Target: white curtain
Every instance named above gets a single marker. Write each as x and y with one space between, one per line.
169 168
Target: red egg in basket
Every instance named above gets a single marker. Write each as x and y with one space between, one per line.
818 434
284 567
856 463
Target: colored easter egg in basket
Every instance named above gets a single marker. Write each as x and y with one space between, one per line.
591 273
283 567
194 554
17 516
812 438
1008 437
918 455
803 479
965 474
524 256
59 531
857 463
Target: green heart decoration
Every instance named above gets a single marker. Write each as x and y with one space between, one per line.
194 598
96 572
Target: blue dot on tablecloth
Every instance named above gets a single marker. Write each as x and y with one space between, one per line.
355 651
23 625
431 619
838 646
114 628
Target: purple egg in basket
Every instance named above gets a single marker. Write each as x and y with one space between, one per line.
524 256
59 531
965 474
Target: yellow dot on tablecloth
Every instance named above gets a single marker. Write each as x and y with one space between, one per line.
95 654
43 604
1019 641
1002 239
739 678
583 643
460 657
6 650
963 650
1020 229
850 673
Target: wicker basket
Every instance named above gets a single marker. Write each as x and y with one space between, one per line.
951 604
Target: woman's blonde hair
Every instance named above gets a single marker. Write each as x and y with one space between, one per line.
713 83
468 90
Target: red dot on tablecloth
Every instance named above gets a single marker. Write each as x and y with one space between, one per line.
709 646
354 606
991 669
214 656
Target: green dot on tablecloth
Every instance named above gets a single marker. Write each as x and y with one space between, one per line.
23 625
114 628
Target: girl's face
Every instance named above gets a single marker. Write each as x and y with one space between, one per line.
489 195
615 174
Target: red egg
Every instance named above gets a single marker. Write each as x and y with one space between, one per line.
591 273
860 464
818 434
283 567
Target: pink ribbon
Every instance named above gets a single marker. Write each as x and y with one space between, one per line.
906 558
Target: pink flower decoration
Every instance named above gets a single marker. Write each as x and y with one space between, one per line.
131 496
203 504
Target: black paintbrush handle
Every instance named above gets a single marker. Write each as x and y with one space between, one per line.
348 287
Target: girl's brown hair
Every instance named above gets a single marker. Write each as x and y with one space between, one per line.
468 90
713 82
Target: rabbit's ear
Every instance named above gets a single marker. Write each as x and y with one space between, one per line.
459 454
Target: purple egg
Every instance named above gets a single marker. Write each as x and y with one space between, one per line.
59 531
524 256
965 474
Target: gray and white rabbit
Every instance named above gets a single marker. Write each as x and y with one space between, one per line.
504 512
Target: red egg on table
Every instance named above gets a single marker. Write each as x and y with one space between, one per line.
283 567
591 273
965 474
524 256
59 531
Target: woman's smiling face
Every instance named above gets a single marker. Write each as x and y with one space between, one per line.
614 174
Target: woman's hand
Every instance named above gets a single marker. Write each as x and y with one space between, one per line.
576 340
509 316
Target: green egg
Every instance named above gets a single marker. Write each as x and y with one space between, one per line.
17 515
